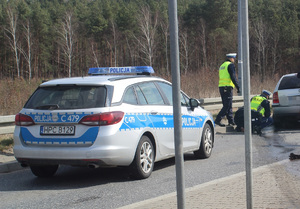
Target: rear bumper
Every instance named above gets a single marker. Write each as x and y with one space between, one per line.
286 111
102 156
283 114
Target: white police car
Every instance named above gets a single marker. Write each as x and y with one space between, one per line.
107 120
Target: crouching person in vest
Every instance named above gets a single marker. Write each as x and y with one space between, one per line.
261 105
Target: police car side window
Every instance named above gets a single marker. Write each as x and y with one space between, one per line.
151 93
141 96
129 96
167 89
184 100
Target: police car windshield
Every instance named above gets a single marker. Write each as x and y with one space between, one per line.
67 97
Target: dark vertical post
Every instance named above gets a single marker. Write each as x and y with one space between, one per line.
174 46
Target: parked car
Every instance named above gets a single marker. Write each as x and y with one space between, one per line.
107 119
286 100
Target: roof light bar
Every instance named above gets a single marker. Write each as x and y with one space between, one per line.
144 70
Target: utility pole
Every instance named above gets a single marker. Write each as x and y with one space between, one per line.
243 14
240 49
174 46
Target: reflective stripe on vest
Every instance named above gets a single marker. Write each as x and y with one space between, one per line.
224 76
256 104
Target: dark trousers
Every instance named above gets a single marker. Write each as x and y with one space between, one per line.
226 95
266 122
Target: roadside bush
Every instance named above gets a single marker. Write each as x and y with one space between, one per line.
6 142
14 94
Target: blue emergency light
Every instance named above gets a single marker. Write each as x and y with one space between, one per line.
143 70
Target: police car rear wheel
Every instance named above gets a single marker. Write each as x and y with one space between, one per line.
44 171
206 144
143 163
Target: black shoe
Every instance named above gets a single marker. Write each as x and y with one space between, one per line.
257 129
259 132
220 124
231 124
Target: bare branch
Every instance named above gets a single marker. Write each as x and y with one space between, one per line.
67 39
27 55
95 56
148 28
164 25
12 35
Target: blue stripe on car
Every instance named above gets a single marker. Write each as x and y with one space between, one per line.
57 117
137 121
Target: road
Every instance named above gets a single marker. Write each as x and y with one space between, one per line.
112 188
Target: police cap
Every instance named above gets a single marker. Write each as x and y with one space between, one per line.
231 55
266 93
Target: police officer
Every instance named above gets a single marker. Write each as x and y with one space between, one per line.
227 81
260 104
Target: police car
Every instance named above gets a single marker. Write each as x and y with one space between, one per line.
120 116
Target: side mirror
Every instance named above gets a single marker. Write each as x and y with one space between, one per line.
194 103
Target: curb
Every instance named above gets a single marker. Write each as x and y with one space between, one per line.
10 167
223 130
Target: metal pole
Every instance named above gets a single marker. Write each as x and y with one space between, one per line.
174 47
247 107
240 49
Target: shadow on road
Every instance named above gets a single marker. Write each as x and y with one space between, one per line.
68 177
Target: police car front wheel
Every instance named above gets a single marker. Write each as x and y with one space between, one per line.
206 143
143 163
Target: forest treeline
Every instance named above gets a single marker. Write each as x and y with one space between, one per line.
59 38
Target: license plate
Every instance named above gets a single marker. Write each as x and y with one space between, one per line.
294 98
57 130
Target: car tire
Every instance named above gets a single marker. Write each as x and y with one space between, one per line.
206 143
143 163
44 171
277 122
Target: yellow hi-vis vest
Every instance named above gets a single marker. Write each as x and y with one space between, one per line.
256 104
224 76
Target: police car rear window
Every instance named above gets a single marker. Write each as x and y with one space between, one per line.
67 97
289 82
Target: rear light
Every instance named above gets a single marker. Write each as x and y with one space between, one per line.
102 119
23 120
275 98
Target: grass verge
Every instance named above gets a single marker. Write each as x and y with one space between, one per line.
6 143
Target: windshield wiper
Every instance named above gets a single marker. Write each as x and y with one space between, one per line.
48 107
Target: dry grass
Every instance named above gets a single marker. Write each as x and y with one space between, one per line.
14 94
202 84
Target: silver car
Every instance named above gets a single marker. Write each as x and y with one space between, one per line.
286 100
107 119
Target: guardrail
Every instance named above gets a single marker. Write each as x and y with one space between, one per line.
7 124
215 104
210 104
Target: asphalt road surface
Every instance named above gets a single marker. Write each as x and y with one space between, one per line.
112 188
